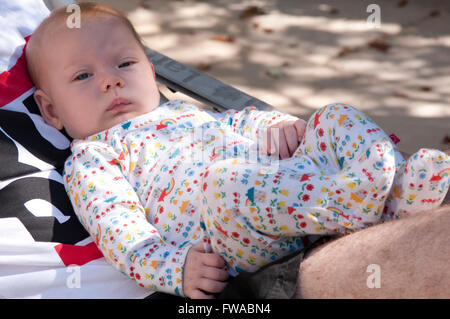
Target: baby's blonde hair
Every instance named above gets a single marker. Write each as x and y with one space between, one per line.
58 17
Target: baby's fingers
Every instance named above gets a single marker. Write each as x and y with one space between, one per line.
290 133
198 294
300 126
213 260
281 145
268 142
211 286
219 274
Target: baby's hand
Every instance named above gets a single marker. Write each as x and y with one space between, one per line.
290 134
203 272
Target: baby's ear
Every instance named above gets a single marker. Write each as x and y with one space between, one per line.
47 109
153 69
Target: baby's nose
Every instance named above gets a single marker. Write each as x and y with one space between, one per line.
112 82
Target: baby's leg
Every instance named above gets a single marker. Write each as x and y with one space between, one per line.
254 214
242 212
420 185
336 182
338 134
343 141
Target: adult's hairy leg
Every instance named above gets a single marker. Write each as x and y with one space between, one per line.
412 254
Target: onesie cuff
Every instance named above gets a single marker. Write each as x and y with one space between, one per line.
162 276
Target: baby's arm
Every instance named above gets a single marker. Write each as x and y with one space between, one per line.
110 210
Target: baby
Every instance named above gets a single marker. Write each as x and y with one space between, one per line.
177 197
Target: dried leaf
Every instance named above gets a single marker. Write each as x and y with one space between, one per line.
446 139
402 3
203 67
435 13
400 95
379 45
426 88
224 38
346 51
251 12
328 9
144 5
268 30
333 11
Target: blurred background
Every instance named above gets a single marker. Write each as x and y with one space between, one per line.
301 55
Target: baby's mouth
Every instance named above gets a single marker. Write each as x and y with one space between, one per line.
118 104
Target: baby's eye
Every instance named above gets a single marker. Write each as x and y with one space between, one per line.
124 64
82 76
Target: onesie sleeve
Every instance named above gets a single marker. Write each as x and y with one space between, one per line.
110 210
251 122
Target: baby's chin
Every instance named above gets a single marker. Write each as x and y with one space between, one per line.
112 119
131 114
123 117
117 119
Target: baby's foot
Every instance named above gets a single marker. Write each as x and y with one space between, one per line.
362 187
421 185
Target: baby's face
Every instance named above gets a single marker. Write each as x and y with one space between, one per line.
98 76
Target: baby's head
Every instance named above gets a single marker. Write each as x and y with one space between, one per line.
90 78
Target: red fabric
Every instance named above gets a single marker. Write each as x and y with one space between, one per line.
15 82
78 255
394 138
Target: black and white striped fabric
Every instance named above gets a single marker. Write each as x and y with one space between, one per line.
44 250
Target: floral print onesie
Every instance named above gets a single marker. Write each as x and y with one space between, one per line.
150 188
